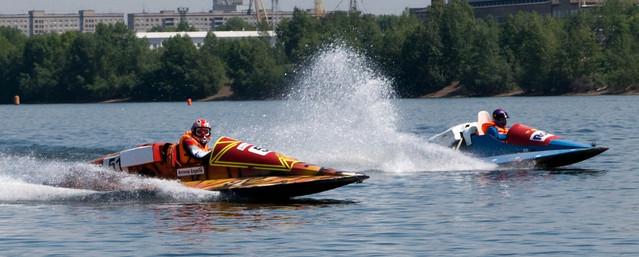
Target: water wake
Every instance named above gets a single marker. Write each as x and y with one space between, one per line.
26 178
341 113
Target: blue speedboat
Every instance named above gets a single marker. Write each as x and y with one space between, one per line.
525 146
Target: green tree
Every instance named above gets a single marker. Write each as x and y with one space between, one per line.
12 43
183 72
356 30
43 58
456 27
579 55
422 57
531 43
210 71
394 31
185 26
172 80
299 36
488 71
79 70
122 59
253 70
236 24
421 63
620 66
182 26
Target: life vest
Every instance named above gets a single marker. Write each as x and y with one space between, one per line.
183 154
485 126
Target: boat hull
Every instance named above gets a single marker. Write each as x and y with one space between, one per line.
524 147
546 159
233 168
275 187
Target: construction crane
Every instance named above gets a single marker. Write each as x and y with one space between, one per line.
319 8
226 5
352 6
261 16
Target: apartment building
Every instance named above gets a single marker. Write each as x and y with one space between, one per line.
18 21
202 21
89 19
500 9
38 22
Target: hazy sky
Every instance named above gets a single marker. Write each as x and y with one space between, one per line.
129 6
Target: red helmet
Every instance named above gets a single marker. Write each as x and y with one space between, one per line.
201 130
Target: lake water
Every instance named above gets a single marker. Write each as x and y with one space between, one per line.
441 208
421 199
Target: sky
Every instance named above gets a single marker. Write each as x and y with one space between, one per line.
131 6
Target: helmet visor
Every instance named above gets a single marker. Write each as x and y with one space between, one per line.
501 116
202 132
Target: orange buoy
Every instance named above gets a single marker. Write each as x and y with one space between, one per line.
16 100
189 102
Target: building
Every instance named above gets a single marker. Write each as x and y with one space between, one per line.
500 9
39 22
156 39
18 21
227 5
202 21
43 23
89 19
420 12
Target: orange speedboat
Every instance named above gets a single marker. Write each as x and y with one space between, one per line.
234 168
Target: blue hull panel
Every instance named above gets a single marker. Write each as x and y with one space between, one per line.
548 158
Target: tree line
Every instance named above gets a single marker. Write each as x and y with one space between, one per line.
595 49
592 49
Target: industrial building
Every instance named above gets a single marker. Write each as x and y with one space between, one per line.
500 9
202 21
89 19
156 39
39 22
227 5
18 21
503 8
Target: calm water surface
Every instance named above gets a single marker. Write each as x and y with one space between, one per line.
419 202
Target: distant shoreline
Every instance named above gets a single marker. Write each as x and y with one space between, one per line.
429 96
452 91
456 91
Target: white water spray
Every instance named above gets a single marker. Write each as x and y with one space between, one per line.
24 178
341 114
